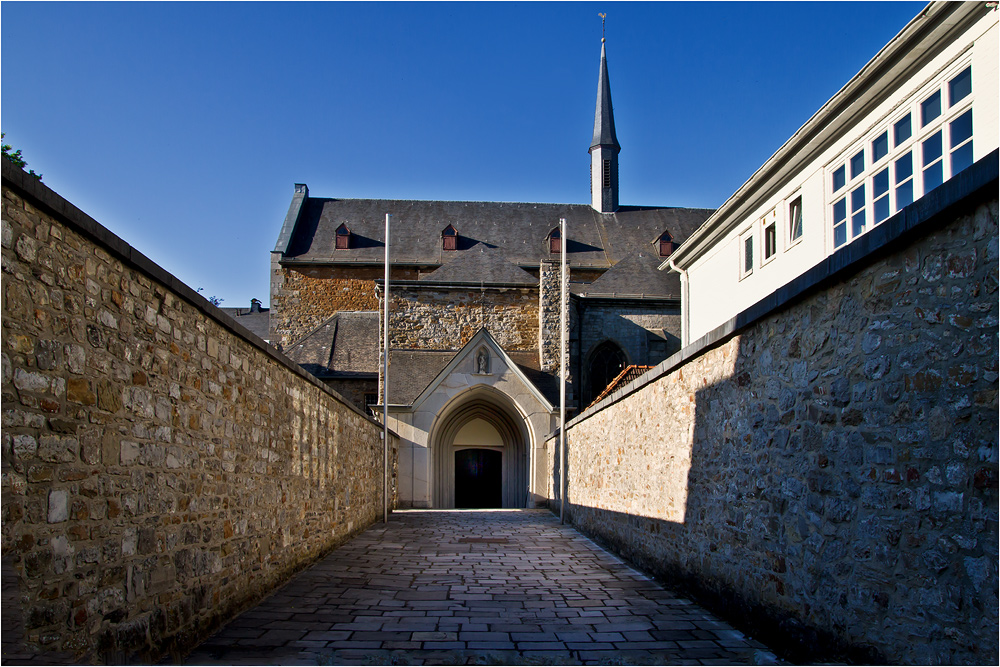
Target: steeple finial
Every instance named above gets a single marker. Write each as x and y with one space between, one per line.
603 17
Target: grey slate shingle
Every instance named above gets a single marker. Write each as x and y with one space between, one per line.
636 274
258 323
518 231
346 345
479 264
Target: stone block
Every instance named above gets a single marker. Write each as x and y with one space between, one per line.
58 506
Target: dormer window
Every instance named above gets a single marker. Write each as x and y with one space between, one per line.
449 238
555 241
343 237
666 245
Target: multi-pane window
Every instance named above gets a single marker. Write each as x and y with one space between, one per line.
880 196
903 180
960 142
908 156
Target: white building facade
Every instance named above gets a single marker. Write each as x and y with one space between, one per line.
921 111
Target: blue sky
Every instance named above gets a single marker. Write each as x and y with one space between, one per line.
182 127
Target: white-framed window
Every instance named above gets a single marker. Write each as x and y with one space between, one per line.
927 141
769 232
794 221
746 253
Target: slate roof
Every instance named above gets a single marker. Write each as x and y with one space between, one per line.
519 231
258 322
637 274
346 345
479 264
410 371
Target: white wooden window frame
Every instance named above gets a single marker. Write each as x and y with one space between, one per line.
769 220
912 145
787 206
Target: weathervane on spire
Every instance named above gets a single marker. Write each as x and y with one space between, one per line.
603 17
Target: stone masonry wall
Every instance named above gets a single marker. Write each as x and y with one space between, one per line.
160 471
427 318
302 298
829 474
549 297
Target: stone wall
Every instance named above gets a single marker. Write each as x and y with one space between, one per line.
353 390
441 318
549 298
162 468
303 297
825 476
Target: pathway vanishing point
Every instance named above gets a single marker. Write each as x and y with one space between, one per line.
490 587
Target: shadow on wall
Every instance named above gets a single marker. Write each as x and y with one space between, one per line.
828 478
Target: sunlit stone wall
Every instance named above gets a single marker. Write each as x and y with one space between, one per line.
161 470
827 476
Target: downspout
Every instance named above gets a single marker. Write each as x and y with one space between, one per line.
685 301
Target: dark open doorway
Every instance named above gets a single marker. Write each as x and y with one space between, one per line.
478 478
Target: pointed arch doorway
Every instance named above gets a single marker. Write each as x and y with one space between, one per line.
479 452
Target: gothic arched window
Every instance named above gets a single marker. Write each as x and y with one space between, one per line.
606 363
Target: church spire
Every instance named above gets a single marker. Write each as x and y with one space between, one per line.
604 119
604 148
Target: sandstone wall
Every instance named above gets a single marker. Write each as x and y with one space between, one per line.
303 297
161 469
828 473
429 318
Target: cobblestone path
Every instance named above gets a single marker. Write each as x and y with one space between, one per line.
475 587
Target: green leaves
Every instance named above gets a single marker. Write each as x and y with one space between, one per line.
17 158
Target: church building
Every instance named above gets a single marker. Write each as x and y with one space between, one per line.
474 299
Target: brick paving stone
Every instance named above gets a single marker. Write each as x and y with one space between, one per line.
549 595
497 645
541 646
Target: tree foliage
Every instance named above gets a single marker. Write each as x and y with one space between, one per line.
17 158
214 300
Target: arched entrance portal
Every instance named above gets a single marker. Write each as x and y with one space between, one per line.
479 450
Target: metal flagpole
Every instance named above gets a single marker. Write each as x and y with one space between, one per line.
385 384
562 375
